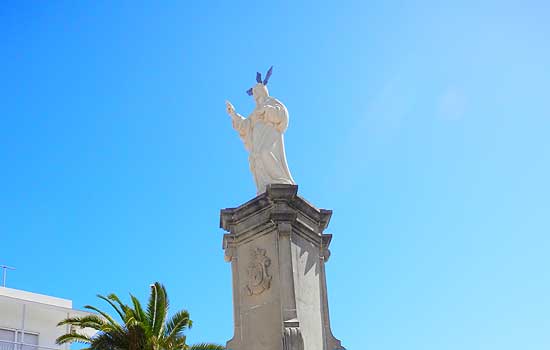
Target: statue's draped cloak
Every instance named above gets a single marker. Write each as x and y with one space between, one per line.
262 134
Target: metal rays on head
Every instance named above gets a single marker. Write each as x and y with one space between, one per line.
259 79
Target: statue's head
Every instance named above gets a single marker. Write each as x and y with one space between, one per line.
259 91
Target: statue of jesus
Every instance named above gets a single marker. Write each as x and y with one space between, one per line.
262 134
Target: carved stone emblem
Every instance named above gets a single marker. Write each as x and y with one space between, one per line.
259 279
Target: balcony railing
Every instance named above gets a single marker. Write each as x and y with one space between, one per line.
11 345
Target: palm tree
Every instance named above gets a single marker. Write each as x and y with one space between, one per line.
139 330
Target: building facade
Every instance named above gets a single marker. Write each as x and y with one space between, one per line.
28 321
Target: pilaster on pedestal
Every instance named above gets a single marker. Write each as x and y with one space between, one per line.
277 249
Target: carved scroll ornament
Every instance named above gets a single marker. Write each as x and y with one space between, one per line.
259 279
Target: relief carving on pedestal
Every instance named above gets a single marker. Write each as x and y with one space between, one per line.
259 279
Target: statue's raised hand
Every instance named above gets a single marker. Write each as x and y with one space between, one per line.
230 109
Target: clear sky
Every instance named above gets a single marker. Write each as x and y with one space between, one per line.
423 125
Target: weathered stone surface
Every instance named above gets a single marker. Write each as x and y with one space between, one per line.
277 249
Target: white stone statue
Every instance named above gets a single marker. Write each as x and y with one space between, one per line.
262 134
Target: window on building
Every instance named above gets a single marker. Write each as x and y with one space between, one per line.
7 339
29 340
17 340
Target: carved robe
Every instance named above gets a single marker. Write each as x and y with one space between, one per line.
262 134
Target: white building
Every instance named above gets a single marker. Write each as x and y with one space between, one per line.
28 321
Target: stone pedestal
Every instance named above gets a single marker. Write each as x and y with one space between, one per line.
278 251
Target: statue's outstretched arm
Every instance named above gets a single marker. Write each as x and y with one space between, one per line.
239 122
231 111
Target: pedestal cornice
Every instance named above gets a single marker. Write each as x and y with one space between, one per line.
280 203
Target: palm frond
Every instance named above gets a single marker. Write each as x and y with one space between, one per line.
118 310
106 341
70 321
88 321
102 313
140 314
157 309
116 299
177 324
73 337
139 329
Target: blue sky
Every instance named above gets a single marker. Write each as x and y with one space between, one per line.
423 125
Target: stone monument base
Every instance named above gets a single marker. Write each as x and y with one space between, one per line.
277 249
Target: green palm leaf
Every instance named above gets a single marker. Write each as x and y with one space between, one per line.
140 314
139 329
177 324
157 308
73 338
89 321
